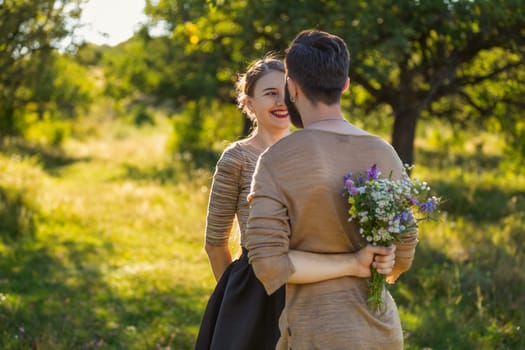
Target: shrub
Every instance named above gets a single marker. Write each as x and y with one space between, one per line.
19 183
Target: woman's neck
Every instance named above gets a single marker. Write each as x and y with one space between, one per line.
263 139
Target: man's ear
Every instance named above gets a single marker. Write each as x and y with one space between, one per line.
292 88
347 84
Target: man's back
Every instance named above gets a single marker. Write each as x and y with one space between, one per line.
308 169
297 203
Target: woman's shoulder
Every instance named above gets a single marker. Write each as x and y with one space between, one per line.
239 152
231 156
240 146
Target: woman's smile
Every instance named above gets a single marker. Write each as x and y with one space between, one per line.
281 113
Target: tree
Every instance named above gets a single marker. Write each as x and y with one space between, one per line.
30 31
425 57
419 57
62 87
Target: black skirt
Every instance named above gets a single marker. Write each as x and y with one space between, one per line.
240 315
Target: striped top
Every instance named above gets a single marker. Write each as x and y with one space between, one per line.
230 187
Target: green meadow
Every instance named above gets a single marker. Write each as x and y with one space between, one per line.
101 243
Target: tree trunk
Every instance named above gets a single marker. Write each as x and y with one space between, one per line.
7 120
404 133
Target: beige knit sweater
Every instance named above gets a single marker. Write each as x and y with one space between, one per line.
297 203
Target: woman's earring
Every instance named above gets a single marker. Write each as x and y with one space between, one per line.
292 99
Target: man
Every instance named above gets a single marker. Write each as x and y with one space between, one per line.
297 205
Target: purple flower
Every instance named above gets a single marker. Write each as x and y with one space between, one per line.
349 183
413 200
373 173
407 216
397 218
428 206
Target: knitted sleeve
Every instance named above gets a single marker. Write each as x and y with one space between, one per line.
224 197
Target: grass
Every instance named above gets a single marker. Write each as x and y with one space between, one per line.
465 289
101 245
116 260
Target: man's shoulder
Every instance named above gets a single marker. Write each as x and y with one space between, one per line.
286 145
293 140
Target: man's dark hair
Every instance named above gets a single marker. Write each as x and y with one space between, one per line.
319 62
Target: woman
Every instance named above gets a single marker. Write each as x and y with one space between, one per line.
240 315
297 205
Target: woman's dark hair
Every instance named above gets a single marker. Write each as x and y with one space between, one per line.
319 62
246 83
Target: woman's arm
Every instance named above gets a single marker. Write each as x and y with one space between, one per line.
222 208
315 267
220 257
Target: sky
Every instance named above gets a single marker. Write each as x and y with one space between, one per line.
111 22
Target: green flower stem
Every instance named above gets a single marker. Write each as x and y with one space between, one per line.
375 290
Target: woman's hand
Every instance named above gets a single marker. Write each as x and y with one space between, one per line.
381 258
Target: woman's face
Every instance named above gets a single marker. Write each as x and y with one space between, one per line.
267 102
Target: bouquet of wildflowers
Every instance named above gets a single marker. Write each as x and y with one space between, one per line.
385 208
